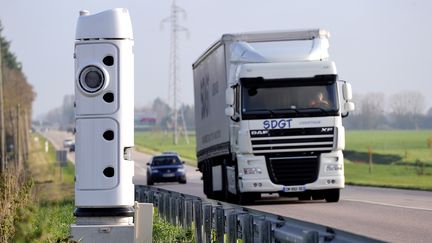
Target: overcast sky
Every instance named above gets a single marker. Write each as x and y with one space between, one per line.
379 46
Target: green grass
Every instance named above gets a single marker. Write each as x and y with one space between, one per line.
166 232
400 159
397 176
408 145
48 216
45 222
157 142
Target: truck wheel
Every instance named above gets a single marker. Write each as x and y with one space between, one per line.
304 197
149 181
248 198
332 195
207 185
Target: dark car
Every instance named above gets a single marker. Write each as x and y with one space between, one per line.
166 168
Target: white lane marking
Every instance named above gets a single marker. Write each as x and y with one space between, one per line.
387 204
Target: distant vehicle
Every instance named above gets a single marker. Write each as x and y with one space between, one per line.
166 168
68 142
72 148
70 130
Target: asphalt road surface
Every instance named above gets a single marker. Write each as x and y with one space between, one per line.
392 215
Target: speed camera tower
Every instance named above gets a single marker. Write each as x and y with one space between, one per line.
104 96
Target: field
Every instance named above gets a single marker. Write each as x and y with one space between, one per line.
157 142
400 159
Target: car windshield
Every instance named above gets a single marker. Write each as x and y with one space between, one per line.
289 97
166 160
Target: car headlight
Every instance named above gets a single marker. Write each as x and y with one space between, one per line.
181 170
155 171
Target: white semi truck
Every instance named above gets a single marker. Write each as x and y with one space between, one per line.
268 112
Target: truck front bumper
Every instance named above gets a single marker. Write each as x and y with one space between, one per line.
254 175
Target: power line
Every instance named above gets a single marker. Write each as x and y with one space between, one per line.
173 85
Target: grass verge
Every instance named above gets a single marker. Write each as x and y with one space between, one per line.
166 232
48 216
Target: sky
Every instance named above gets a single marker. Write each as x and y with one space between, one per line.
379 46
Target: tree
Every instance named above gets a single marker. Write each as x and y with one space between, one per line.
372 111
407 108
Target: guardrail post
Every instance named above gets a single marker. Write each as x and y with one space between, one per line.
247 228
151 197
232 227
207 222
293 234
264 231
172 215
180 210
198 221
166 206
160 205
220 224
189 213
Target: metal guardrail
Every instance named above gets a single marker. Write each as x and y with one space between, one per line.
212 220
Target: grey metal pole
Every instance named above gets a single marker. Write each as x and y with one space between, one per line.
220 224
208 208
198 221
247 228
232 227
189 213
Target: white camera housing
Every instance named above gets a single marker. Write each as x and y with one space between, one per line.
104 96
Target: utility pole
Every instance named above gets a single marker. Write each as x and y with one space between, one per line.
173 86
18 138
2 127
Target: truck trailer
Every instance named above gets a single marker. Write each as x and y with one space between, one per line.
268 113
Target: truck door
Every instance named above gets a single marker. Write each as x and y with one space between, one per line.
235 120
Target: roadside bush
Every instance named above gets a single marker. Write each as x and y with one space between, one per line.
15 195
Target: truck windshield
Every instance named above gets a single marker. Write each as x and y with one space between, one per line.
289 97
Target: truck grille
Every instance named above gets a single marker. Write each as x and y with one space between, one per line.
290 171
319 139
292 155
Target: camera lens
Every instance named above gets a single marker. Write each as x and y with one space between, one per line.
91 79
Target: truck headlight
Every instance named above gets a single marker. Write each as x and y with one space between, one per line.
252 171
333 167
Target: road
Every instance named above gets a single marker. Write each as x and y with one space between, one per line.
387 214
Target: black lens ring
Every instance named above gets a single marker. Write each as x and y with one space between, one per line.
83 74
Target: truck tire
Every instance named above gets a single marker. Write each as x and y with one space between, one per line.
332 195
207 180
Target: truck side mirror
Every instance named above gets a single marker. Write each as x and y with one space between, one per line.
347 91
349 106
229 111
229 96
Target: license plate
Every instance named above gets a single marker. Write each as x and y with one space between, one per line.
294 188
168 175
